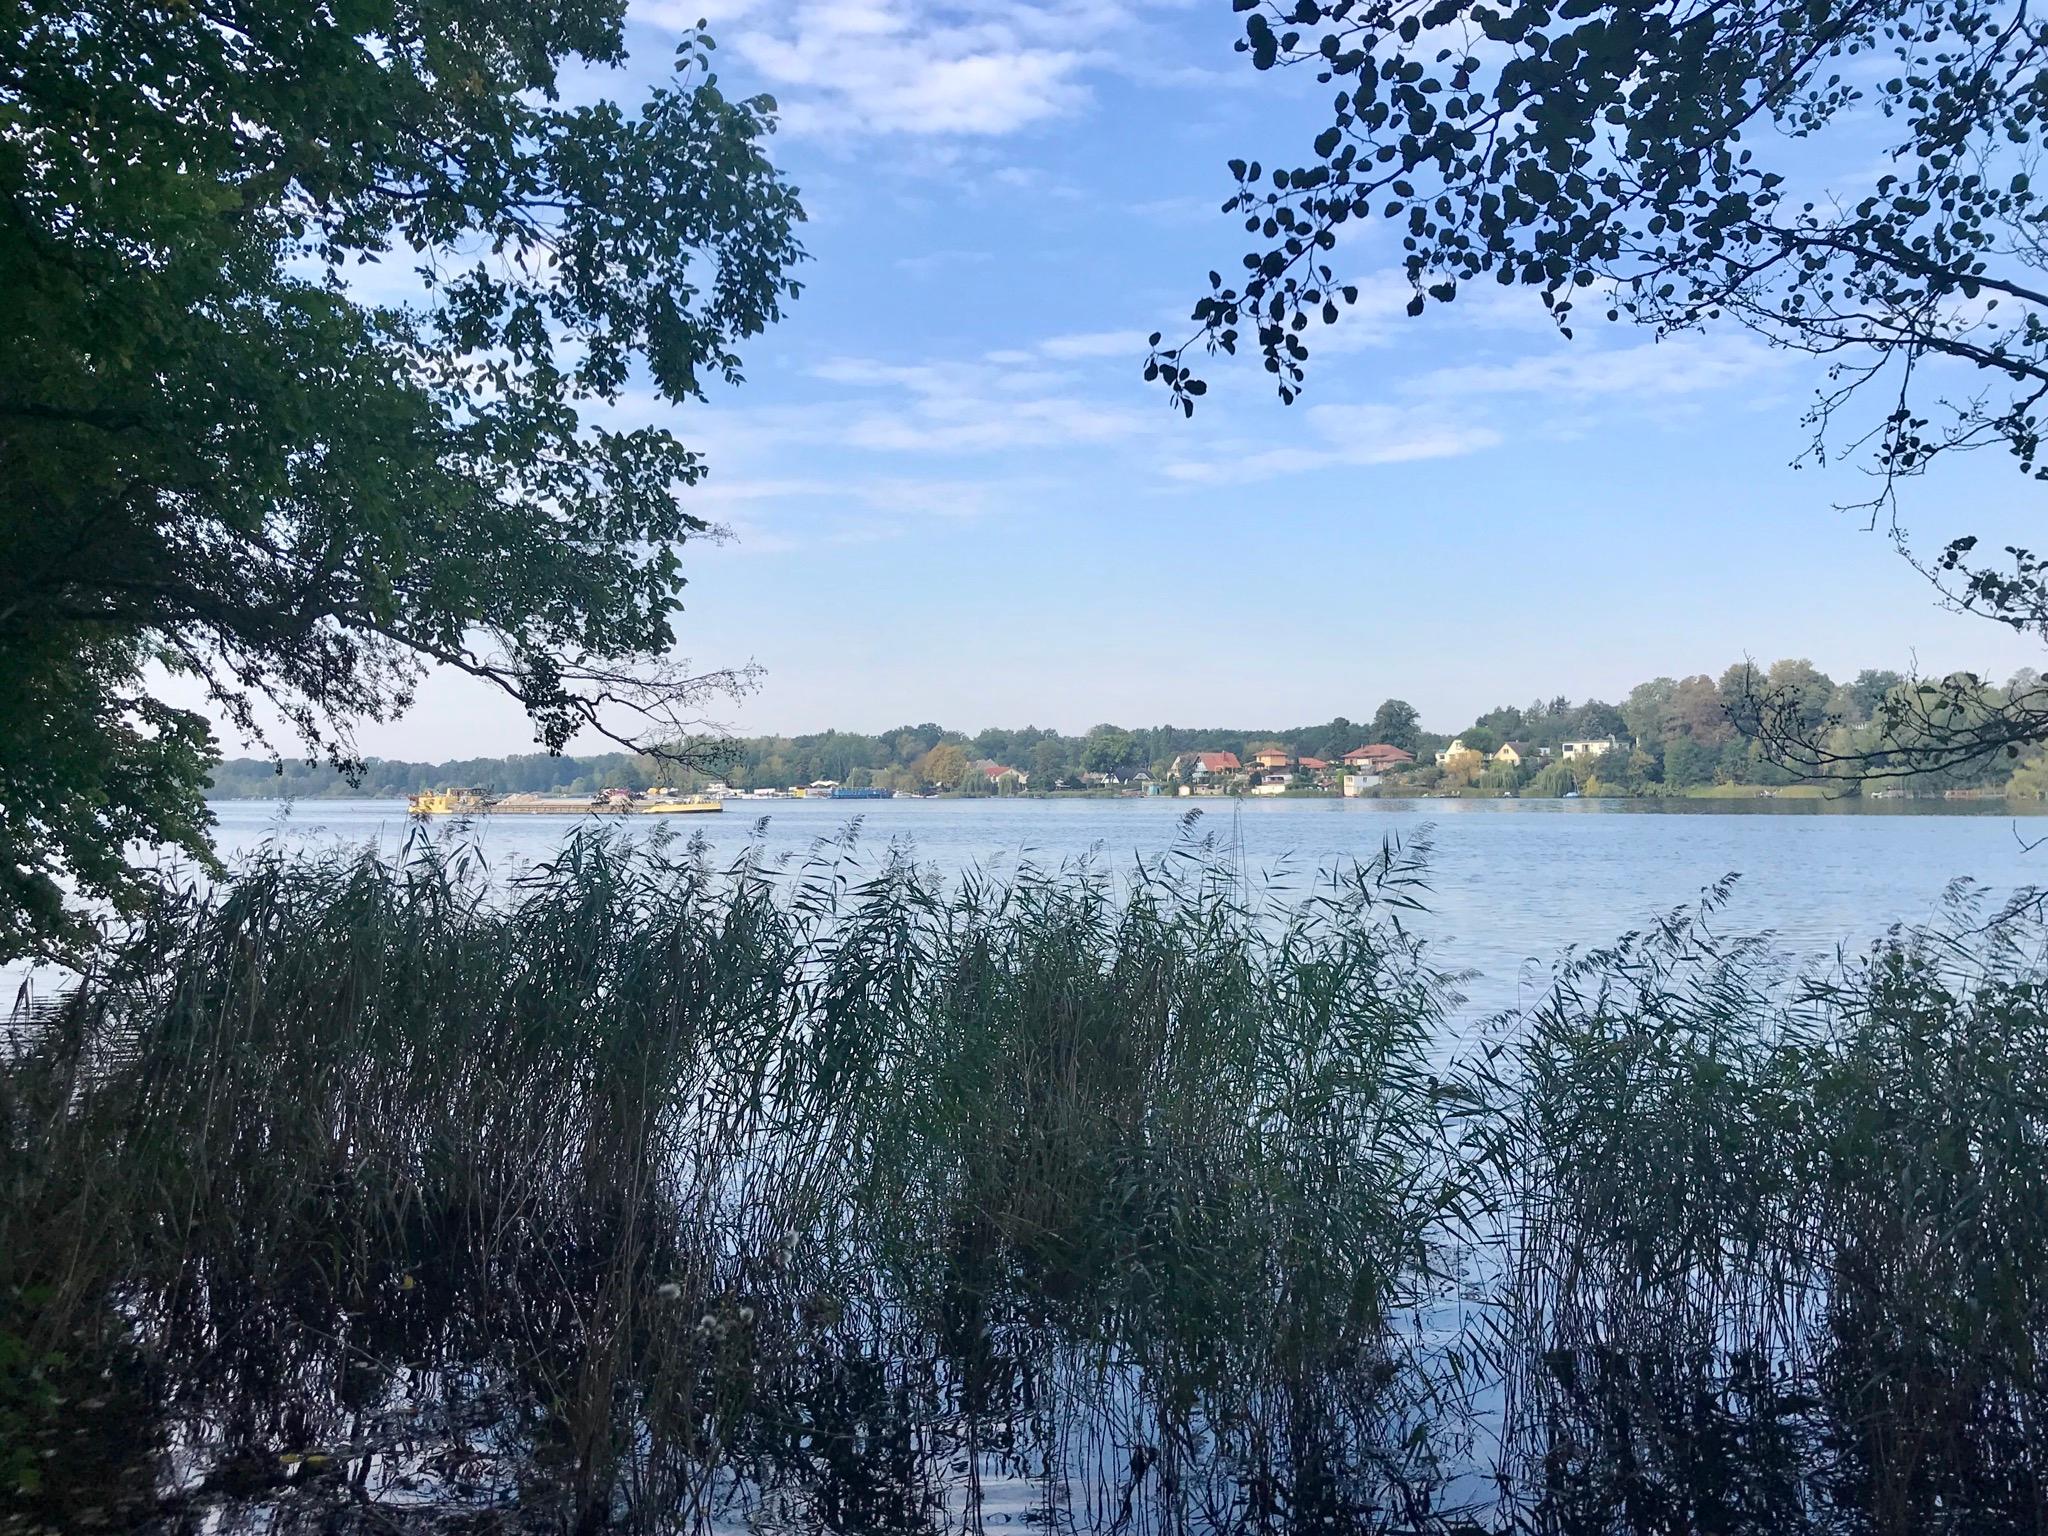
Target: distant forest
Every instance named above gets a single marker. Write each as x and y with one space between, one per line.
1679 735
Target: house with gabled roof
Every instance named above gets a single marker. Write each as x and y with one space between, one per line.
1200 766
1378 757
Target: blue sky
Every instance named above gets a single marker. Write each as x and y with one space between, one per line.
953 498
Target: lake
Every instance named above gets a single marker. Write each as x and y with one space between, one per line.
1513 883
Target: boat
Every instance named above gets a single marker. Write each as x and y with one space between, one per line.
687 805
449 802
844 792
612 802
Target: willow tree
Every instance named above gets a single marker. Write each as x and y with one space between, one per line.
314 319
1851 179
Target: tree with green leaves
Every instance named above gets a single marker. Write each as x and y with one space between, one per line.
1109 749
1638 154
1849 179
222 457
1397 723
945 766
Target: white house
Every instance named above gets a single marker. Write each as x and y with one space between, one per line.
1598 747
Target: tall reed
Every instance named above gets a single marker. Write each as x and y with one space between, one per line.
630 1192
640 1187
1778 1255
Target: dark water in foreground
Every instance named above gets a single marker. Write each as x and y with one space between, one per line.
1512 884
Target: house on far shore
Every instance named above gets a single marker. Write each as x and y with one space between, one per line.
1599 746
1520 754
1200 767
996 773
1273 757
1457 751
1377 757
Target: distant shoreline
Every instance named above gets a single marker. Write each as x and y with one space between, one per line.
1732 804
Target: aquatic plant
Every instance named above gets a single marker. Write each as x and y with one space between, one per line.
628 1192
1778 1253
638 1187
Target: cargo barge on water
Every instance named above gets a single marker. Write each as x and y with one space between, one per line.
610 802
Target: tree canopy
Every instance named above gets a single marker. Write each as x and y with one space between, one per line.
1674 735
1851 179
1657 157
222 454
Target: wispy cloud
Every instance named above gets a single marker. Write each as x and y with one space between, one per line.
982 408
1013 411
771 515
906 495
1466 408
927 263
1090 344
1645 371
926 67
891 66
1357 436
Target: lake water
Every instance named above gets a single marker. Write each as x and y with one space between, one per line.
1513 883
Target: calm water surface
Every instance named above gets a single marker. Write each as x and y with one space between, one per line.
1513 883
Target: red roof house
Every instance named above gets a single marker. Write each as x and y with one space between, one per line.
1378 756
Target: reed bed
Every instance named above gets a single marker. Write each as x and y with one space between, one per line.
634 1193
641 1191
1778 1254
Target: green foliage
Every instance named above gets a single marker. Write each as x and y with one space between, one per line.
1685 734
614 1185
1396 723
216 458
2029 780
1687 762
1790 1233
1639 155
87 767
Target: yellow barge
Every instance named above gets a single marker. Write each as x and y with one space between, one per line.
616 802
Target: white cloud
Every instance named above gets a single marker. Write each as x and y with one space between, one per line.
971 424
1128 344
1009 400
1653 370
1204 210
904 67
773 515
1346 435
899 494
928 67
927 263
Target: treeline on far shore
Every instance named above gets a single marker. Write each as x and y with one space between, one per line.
1672 736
